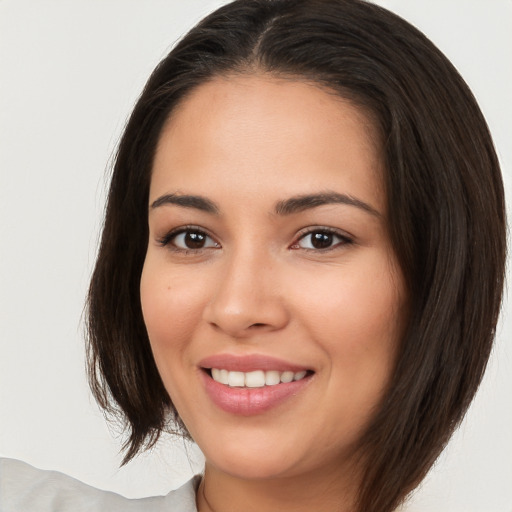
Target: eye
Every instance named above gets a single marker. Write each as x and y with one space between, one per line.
189 239
321 239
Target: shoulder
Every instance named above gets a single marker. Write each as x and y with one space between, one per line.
25 488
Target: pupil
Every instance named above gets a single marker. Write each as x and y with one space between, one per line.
194 240
321 240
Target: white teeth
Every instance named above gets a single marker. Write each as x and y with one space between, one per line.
255 379
224 377
272 378
221 376
286 376
236 379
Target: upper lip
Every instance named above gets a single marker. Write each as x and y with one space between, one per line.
249 363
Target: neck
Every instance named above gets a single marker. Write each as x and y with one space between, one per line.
326 492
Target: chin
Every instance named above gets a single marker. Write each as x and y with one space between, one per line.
263 457
261 468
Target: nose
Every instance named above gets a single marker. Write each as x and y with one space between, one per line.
247 298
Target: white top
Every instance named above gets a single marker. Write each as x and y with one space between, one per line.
24 488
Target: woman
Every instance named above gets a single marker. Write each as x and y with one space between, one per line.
305 192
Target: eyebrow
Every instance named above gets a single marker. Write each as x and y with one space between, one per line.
289 206
187 201
300 203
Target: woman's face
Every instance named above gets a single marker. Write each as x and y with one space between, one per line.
269 260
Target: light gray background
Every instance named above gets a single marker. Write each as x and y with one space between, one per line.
70 71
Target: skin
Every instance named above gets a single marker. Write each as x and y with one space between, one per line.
259 286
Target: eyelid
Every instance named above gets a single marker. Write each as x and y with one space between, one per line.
166 239
345 237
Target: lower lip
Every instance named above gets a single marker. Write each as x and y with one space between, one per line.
251 401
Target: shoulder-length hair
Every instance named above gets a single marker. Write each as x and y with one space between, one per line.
444 200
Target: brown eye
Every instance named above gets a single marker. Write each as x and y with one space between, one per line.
321 239
194 240
190 240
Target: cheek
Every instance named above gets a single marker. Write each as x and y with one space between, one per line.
171 311
355 314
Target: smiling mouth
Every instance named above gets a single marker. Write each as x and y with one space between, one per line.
255 379
254 384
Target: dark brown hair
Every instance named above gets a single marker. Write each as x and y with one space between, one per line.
445 208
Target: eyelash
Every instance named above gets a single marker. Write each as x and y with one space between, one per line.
343 239
168 239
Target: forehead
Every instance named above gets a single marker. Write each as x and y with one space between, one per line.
257 131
